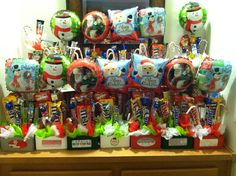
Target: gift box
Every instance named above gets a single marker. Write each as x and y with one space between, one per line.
177 142
209 142
145 142
16 144
50 143
83 142
113 142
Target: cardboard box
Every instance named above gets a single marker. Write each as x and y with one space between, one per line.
209 142
145 142
51 143
83 142
177 142
113 142
17 145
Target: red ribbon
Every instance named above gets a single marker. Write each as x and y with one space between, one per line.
133 126
24 128
60 129
90 127
214 129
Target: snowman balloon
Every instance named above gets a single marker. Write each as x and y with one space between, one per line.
65 25
53 70
192 17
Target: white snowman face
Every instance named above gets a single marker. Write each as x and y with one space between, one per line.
53 69
195 15
64 22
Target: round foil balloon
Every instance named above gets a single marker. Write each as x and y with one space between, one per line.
192 17
84 76
53 69
65 25
95 26
179 74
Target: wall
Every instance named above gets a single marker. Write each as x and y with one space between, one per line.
15 15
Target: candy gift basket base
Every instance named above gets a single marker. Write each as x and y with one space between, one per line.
17 144
50 143
145 142
209 142
83 142
113 142
178 142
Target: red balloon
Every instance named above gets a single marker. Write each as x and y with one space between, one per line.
179 74
84 76
95 26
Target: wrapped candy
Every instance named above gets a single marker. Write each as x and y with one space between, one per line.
136 108
55 112
123 24
152 21
8 106
107 107
84 114
146 102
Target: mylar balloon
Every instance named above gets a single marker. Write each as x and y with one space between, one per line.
84 75
95 26
53 69
22 75
192 17
147 72
124 24
65 25
213 75
179 74
152 21
114 73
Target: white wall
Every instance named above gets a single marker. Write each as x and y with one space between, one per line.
15 15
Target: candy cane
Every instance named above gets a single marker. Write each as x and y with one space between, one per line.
142 49
165 110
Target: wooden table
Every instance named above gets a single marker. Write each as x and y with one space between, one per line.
124 162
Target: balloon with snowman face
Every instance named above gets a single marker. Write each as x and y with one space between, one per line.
65 25
53 69
192 17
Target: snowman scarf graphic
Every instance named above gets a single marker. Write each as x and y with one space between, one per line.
59 29
191 22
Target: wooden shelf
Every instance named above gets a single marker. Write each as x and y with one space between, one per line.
119 155
117 162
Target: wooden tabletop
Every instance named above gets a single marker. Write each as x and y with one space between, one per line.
117 155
